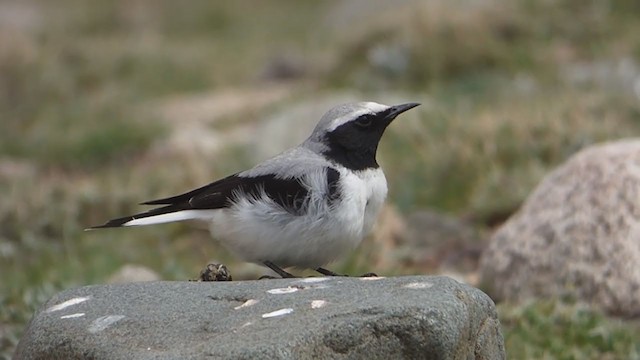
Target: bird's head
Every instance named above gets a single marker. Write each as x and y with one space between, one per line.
349 134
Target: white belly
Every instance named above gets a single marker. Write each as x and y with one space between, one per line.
264 232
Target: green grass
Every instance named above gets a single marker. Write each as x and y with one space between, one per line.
555 330
81 128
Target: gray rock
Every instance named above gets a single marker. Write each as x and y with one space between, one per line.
375 318
576 235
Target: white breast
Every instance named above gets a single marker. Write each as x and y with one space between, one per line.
376 185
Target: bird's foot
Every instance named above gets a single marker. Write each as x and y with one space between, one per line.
326 272
369 274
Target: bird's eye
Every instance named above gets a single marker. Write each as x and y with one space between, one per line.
364 121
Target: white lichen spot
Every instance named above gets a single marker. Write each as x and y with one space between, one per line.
247 303
68 303
287 290
313 279
103 322
276 313
317 304
71 316
418 285
371 278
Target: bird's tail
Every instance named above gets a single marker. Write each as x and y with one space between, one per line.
160 215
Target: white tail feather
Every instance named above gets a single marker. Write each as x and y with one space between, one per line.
171 217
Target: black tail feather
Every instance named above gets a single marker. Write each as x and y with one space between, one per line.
114 222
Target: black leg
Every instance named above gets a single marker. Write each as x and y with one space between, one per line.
326 272
277 269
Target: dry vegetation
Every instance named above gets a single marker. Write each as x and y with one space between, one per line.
510 89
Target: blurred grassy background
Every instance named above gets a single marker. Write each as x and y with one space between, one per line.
92 95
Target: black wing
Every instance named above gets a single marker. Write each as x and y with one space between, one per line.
290 193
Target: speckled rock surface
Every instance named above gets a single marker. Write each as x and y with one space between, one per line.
325 318
576 235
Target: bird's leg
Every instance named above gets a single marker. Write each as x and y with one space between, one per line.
326 272
278 270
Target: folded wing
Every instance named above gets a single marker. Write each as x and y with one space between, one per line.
289 193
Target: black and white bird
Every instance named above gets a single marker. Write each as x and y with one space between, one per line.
302 208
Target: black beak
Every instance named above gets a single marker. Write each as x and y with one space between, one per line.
399 109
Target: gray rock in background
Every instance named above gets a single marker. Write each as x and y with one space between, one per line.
576 235
375 318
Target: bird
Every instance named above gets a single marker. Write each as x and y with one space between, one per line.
304 208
